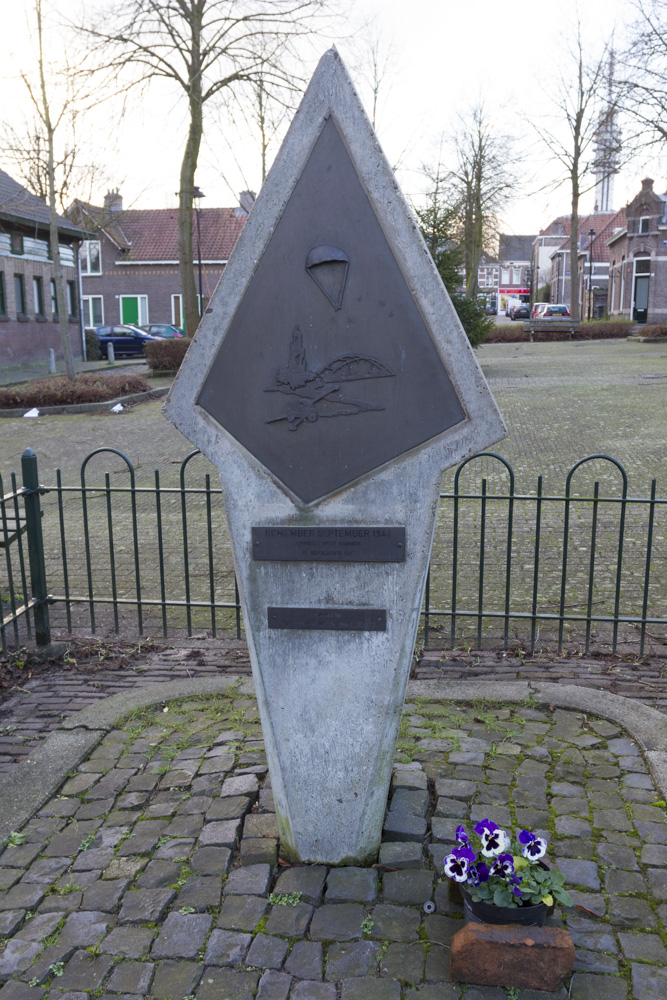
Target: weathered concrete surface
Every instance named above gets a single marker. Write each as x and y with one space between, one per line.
330 702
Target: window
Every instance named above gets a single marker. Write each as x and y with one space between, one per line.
71 300
3 304
38 296
16 244
643 265
505 276
90 256
643 224
516 275
54 299
19 294
93 311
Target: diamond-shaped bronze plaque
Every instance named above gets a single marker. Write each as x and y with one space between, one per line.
327 370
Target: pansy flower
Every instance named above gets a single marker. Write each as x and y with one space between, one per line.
478 873
494 840
462 836
503 866
456 865
534 847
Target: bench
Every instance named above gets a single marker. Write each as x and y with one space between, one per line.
536 326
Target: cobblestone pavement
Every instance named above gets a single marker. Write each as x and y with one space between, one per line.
38 704
154 873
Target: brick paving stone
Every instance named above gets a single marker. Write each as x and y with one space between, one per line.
308 881
242 912
85 971
10 921
181 935
274 985
455 789
83 929
46 870
437 963
403 961
617 856
24 895
353 958
592 935
9 876
410 800
211 861
577 872
370 989
354 885
21 991
201 893
407 888
313 991
588 987
441 929
251 880
229 807
128 942
260 825
175 979
628 911
259 851
649 982
595 961
401 854
622 881
395 923
402 826
653 833
456 808
337 922
226 947
145 905
642 947
446 991
246 784
131 977
289 921
572 826
267 952
18 956
124 868
217 983
305 960
159 874
222 834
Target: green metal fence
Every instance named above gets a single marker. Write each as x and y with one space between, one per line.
108 554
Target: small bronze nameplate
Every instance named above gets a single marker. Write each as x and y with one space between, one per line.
338 619
329 543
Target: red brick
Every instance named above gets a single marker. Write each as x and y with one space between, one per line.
532 958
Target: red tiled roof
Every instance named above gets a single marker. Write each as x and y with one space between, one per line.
151 234
603 223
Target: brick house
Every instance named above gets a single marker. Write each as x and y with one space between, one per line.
507 276
29 323
638 260
593 266
129 269
558 251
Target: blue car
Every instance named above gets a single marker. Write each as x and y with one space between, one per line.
126 339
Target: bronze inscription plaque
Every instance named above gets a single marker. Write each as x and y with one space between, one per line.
337 619
329 543
327 370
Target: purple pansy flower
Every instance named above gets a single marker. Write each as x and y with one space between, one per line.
517 891
456 865
494 840
503 865
462 836
535 847
478 873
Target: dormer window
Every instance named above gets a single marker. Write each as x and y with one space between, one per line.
644 223
90 257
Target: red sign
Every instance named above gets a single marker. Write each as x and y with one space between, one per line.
514 291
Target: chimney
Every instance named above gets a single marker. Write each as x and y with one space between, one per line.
113 202
247 200
647 184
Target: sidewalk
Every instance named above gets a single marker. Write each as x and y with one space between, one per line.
151 871
14 374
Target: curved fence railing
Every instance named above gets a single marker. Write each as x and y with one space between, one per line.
587 567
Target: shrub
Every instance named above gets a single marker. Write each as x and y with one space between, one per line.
603 328
93 349
506 334
59 391
166 355
654 330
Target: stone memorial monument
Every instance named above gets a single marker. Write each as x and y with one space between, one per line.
331 383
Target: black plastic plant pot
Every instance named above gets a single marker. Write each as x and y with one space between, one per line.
482 912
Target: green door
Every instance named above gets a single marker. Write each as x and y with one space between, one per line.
130 309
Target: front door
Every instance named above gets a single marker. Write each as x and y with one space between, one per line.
640 314
130 309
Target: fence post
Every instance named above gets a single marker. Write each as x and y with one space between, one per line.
33 523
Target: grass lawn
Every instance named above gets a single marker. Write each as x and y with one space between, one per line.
561 402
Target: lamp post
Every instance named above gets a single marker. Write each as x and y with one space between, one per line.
197 195
591 237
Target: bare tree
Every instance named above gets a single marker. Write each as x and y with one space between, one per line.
202 47
644 69
586 105
482 182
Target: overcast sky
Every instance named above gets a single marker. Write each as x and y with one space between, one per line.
444 55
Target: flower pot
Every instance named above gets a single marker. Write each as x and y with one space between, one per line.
483 912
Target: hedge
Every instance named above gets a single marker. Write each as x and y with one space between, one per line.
166 355
60 391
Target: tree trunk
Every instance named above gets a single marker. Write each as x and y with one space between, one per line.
61 297
187 186
574 247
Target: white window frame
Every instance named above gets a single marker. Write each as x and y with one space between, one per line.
516 276
644 274
84 256
178 297
644 219
143 308
87 306
505 277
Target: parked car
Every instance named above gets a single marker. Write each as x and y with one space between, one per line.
521 311
538 310
126 339
556 310
167 330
